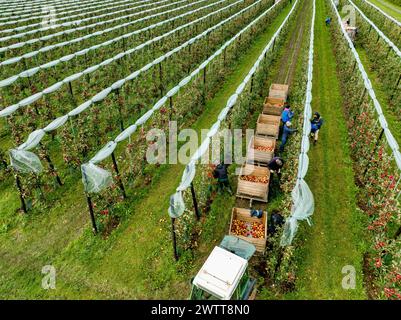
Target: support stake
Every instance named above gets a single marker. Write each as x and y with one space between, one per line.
91 213
21 193
174 238
195 202
113 157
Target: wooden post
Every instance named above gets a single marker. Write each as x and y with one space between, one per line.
118 175
195 202
21 193
92 215
174 238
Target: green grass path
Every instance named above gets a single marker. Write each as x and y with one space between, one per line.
136 262
332 242
388 7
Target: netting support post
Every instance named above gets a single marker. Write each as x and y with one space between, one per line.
373 152
51 165
171 108
21 193
396 86
195 202
92 214
174 238
71 92
362 96
161 78
119 111
53 169
120 183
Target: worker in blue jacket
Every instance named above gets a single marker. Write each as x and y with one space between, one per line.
287 114
316 124
287 130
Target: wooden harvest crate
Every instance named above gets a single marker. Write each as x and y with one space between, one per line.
253 190
245 215
268 125
278 91
256 154
273 106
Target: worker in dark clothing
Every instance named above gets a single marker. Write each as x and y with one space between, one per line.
316 124
221 174
275 166
276 220
328 21
286 132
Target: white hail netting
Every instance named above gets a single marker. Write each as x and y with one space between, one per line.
35 137
77 22
381 34
18 7
368 86
303 203
177 205
56 86
74 22
33 15
85 37
90 35
109 148
59 13
398 23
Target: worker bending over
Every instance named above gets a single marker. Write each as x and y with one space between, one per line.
275 166
221 174
316 124
287 130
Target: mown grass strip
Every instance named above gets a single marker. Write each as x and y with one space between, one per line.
136 261
333 240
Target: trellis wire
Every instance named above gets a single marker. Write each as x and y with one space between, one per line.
21 152
302 197
88 36
81 8
31 99
381 34
66 24
66 58
108 149
368 87
177 205
384 13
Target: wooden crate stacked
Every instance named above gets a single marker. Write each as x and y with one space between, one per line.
254 178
